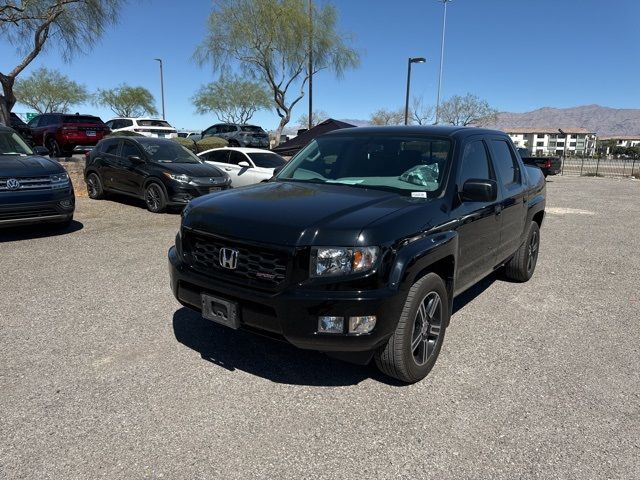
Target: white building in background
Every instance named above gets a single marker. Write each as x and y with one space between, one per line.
549 141
623 140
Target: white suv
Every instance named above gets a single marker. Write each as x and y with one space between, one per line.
149 127
244 165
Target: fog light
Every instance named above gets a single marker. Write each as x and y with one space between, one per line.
66 203
360 325
330 324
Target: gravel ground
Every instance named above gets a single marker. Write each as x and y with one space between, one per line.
104 375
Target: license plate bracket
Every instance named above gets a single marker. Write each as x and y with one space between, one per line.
220 311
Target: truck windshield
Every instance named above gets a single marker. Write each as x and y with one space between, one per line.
404 163
12 144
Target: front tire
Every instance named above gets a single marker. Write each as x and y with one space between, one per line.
155 198
521 267
94 186
413 349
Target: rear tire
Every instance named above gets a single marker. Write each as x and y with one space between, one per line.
54 148
155 198
94 186
413 349
521 267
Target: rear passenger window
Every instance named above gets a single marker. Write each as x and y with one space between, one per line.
506 163
110 147
130 150
475 163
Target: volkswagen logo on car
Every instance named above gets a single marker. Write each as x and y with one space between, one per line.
13 184
228 258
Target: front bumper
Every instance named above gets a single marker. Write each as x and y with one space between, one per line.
24 208
292 314
181 194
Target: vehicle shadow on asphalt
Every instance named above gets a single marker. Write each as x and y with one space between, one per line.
136 202
267 358
29 232
474 292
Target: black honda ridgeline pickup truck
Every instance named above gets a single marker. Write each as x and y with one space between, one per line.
359 244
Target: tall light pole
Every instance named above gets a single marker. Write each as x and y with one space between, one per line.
310 124
444 24
406 103
161 85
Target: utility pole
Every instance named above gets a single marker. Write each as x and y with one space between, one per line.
310 123
161 85
444 24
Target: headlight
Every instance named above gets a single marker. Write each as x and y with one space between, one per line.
60 177
334 261
182 178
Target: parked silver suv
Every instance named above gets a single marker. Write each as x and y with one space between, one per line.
239 135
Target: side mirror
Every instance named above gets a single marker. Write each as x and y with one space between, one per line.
244 164
135 159
479 190
44 151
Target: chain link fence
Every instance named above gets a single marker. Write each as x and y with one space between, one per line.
601 167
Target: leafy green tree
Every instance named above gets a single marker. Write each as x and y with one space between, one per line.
49 91
316 117
387 117
467 110
126 101
232 99
272 41
28 25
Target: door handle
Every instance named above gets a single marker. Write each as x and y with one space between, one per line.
228 169
498 209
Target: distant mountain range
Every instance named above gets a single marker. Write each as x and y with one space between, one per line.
604 121
595 118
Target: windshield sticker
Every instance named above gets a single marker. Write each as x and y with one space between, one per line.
419 194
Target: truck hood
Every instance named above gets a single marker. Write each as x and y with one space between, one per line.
32 166
294 214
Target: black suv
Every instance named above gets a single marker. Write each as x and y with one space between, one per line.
359 245
239 135
22 128
33 189
162 172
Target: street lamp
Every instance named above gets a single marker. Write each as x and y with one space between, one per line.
161 85
406 103
444 24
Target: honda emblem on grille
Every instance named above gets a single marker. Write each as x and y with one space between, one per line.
13 184
228 258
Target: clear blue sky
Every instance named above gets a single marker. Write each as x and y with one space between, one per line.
517 54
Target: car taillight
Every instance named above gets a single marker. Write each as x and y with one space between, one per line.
547 164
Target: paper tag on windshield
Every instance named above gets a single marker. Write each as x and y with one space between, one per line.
419 194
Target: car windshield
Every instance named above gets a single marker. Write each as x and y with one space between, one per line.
167 151
266 160
411 164
12 144
153 123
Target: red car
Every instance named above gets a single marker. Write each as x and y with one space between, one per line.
63 133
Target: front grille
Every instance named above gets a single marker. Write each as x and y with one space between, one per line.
27 183
27 212
257 265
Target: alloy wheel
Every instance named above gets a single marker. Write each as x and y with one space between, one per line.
152 197
426 328
92 186
534 243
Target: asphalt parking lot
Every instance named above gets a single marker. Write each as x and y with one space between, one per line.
104 375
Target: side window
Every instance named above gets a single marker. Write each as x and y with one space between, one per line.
129 149
220 156
110 147
110 124
209 132
237 157
126 123
506 163
33 123
475 163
